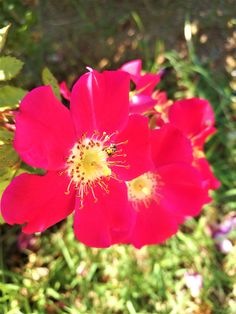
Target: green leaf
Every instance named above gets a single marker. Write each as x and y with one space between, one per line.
10 96
49 79
1 220
8 156
9 68
9 160
3 35
5 179
6 136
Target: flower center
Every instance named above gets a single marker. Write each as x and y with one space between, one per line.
90 163
143 189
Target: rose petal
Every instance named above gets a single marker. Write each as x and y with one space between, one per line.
169 145
210 181
44 130
106 221
140 103
192 116
37 201
64 90
153 225
133 67
200 139
147 82
100 101
182 190
137 149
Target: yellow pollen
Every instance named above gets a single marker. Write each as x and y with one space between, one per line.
198 153
90 162
143 189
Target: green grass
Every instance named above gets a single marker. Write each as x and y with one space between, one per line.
61 275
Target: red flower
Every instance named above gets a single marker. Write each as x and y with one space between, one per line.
163 197
87 152
141 98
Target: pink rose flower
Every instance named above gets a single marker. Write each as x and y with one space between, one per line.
88 152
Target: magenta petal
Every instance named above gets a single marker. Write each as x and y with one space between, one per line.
64 90
100 101
106 221
133 67
44 130
210 181
200 139
182 190
137 149
147 82
192 115
140 103
37 201
169 145
154 224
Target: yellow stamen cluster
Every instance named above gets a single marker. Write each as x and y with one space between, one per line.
143 189
90 162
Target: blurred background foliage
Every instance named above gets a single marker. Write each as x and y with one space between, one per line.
196 43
